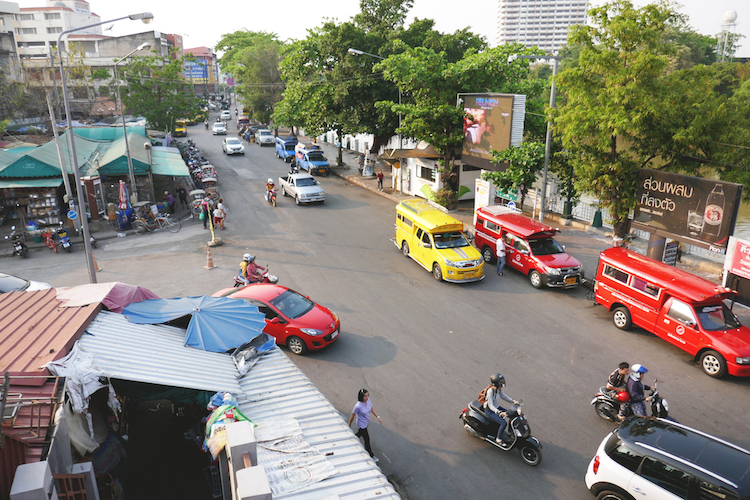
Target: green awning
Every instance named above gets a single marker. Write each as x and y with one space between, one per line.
115 160
166 163
44 160
108 133
30 183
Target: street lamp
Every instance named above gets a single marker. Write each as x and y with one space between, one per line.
357 52
133 188
548 141
146 17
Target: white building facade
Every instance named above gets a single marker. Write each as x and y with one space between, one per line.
540 23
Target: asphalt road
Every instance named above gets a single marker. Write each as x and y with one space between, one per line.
422 348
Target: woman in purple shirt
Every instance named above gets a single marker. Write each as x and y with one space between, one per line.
362 411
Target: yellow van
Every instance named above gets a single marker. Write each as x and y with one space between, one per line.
436 241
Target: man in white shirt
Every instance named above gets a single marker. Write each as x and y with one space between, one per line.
500 255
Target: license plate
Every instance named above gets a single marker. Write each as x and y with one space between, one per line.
335 334
571 281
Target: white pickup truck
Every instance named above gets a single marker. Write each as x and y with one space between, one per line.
302 187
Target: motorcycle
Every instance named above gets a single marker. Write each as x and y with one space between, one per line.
62 235
607 405
265 277
478 425
271 197
19 247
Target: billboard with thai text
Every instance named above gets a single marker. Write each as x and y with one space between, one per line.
695 210
197 71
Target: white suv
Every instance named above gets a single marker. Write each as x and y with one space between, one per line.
653 458
264 137
232 145
225 116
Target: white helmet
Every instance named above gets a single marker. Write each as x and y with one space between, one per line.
270 181
248 257
637 371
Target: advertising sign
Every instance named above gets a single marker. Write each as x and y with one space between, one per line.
738 257
197 71
701 212
488 126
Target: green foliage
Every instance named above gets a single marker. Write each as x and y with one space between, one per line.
100 74
157 90
253 58
446 197
524 164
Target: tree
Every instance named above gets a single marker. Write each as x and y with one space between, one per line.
432 82
253 58
610 98
525 161
157 90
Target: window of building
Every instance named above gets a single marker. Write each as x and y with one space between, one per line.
57 29
25 17
26 31
51 15
426 173
469 168
35 44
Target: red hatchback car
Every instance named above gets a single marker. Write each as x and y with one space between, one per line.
293 319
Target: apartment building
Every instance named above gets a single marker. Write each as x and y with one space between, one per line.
540 23
9 63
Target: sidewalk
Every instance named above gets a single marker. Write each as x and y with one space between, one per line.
596 239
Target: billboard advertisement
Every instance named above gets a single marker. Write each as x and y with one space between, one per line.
701 212
197 71
738 258
487 126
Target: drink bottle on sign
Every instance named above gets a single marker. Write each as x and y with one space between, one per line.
713 216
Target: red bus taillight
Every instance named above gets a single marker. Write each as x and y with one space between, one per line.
595 467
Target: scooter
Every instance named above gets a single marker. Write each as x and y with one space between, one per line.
62 234
517 433
19 247
271 197
265 277
608 406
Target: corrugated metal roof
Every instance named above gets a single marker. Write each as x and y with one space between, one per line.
155 354
519 115
35 329
275 386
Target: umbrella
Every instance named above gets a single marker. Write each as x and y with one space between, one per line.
115 296
123 196
218 324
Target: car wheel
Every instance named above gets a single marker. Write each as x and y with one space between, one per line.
283 191
713 364
405 249
621 318
535 278
531 455
611 495
487 254
436 272
296 345
296 200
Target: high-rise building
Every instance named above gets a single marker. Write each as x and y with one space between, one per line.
540 23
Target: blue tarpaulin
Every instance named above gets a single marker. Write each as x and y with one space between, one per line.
218 324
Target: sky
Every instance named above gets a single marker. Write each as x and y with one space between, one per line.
204 23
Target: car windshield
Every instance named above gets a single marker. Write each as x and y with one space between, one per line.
218 126
10 283
716 318
316 157
292 305
233 142
306 181
545 246
265 132
453 239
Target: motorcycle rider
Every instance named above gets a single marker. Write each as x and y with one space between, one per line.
635 389
270 188
617 382
492 408
206 123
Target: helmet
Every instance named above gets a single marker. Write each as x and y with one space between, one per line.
270 181
248 257
497 380
637 371
623 397
251 258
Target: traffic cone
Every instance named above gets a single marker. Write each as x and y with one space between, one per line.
209 260
96 266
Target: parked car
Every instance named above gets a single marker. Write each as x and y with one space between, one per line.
653 458
293 319
226 115
10 283
232 145
180 129
219 128
242 120
529 245
264 137
687 311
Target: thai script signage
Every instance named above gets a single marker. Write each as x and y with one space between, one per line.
738 257
698 211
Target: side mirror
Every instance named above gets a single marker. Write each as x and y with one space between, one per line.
427 245
563 247
691 324
275 320
525 252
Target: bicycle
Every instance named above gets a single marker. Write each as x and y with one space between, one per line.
47 237
140 225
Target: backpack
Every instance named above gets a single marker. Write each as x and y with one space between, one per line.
482 397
